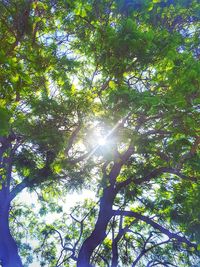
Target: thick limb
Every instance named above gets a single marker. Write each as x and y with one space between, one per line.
9 256
99 232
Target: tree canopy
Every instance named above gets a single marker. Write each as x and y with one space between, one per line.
101 96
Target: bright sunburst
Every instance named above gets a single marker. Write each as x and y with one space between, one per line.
101 141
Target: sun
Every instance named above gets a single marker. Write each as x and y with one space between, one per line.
101 141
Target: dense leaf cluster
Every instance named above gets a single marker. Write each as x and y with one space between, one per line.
100 95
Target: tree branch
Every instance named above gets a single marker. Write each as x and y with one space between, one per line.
72 138
155 173
180 239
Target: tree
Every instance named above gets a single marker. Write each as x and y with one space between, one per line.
137 65
144 62
40 109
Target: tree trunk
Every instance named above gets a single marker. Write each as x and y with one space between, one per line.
99 232
9 256
115 254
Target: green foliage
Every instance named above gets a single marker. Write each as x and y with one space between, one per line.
127 71
187 212
5 116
